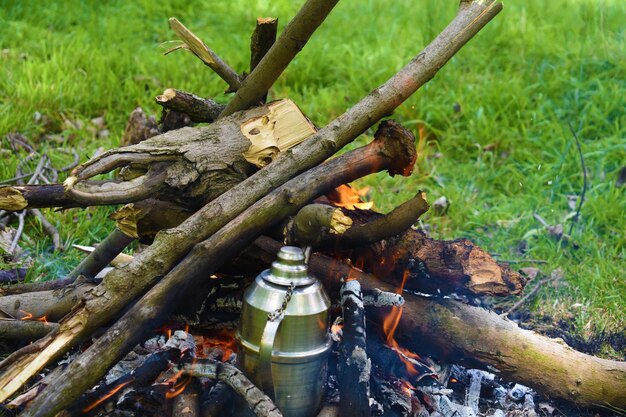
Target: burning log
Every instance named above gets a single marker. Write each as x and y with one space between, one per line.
354 365
478 338
436 266
213 233
205 258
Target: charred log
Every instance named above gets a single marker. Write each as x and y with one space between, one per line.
354 366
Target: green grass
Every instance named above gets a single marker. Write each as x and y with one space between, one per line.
507 153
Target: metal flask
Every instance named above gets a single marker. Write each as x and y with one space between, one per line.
283 335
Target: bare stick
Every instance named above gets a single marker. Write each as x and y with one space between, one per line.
104 253
262 39
397 221
290 42
198 109
199 49
170 247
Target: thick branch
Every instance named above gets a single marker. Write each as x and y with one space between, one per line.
204 259
169 247
199 110
206 55
24 330
290 42
261 41
19 197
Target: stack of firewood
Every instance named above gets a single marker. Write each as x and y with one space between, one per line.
202 196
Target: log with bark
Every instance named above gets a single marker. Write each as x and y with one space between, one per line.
180 169
475 337
125 284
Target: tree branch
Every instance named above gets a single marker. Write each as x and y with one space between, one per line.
290 42
261 41
206 55
198 109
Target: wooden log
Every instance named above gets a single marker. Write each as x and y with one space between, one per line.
187 404
113 294
103 254
481 339
453 330
205 258
435 266
139 128
354 366
25 330
44 305
190 166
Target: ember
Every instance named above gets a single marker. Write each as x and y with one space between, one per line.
223 342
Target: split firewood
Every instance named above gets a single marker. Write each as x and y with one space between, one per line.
329 410
169 248
434 266
259 403
393 154
195 45
396 401
353 369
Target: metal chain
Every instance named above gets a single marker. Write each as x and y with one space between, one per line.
279 311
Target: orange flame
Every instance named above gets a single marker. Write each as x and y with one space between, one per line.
336 328
224 340
179 385
407 388
347 197
389 327
106 396
29 316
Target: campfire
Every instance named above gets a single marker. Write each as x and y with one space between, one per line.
361 314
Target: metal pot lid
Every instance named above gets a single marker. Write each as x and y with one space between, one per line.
289 268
